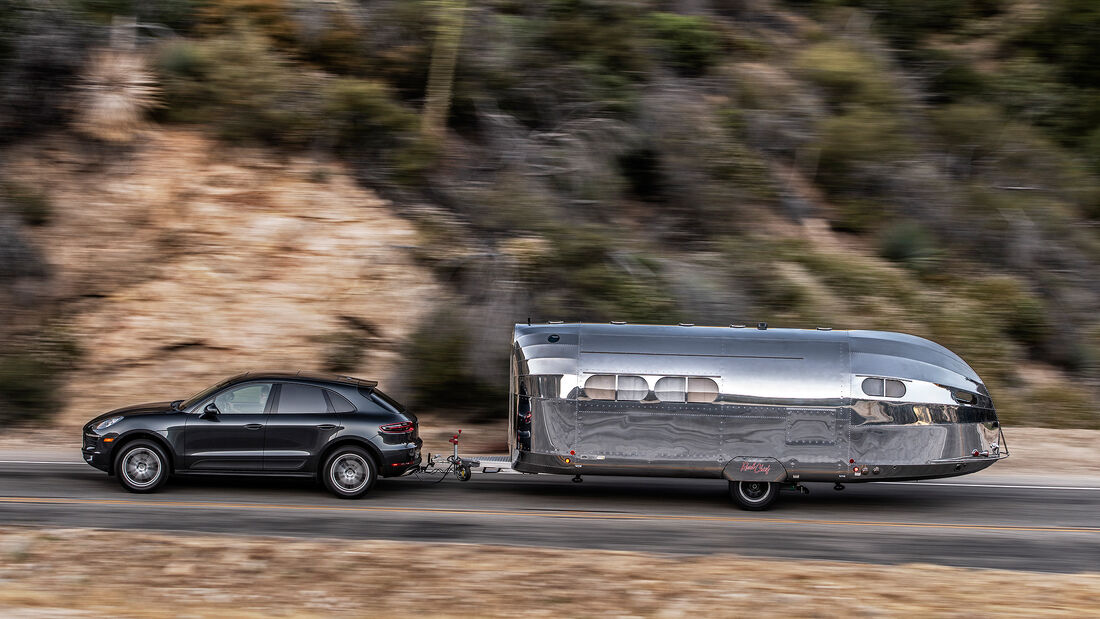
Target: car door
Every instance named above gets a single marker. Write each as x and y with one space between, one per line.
231 439
301 423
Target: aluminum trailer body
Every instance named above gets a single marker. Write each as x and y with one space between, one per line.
747 404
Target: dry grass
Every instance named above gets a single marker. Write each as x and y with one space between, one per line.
83 572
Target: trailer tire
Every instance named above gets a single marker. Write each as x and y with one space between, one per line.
463 472
754 495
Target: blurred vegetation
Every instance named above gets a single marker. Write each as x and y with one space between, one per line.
642 160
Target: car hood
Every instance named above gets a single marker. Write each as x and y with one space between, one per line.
151 408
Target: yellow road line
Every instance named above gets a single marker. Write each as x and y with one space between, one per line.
537 513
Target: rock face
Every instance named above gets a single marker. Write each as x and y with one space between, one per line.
186 261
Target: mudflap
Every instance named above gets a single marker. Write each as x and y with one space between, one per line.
744 468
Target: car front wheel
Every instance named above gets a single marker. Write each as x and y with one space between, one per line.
141 466
349 472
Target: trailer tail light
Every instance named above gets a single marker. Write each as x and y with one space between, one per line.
403 427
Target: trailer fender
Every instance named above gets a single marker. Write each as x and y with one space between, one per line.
747 468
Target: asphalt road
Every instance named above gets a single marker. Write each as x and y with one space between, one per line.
977 521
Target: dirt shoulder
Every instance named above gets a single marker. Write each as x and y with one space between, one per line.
221 576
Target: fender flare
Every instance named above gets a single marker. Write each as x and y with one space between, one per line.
749 468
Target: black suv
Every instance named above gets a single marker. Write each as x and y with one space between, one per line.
340 429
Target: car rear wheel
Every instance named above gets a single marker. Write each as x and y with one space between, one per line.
141 466
349 472
754 495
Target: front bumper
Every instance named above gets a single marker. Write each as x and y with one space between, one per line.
96 452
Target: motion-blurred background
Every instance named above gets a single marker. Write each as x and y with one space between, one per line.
190 188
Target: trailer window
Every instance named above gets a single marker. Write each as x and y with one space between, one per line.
600 387
701 390
879 387
632 389
671 389
894 388
874 387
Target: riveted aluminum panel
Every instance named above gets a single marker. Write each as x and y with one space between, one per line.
657 431
783 394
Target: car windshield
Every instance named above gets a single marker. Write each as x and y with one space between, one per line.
206 393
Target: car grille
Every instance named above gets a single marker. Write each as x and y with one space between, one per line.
91 440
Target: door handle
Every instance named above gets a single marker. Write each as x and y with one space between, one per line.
253 426
326 426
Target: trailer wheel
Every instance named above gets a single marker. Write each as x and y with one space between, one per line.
754 495
463 472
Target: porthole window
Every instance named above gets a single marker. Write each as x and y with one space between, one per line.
874 387
600 387
879 387
632 389
671 389
895 388
701 390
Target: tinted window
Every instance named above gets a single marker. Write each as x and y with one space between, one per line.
302 399
600 387
244 400
671 389
874 387
340 404
895 389
702 390
632 389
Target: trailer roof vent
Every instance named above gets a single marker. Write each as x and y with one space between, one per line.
737 326
618 322
554 322
824 328
762 326
687 324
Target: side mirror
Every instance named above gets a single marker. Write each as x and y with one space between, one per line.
210 411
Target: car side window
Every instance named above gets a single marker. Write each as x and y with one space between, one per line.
244 400
340 404
294 398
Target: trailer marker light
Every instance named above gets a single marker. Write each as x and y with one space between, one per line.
567 460
975 453
851 460
573 453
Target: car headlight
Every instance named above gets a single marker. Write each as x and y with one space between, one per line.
106 423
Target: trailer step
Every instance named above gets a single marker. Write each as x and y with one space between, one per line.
491 464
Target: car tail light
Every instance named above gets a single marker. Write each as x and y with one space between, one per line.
403 427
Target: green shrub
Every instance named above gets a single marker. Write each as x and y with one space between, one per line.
690 44
1017 312
857 215
242 87
441 375
846 75
910 244
32 205
973 127
364 115
583 276
854 141
32 372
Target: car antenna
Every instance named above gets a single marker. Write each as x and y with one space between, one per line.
528 320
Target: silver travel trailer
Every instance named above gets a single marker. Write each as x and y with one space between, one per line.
759 407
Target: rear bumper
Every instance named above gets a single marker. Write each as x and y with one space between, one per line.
396 462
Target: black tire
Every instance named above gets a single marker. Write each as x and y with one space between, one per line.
754 495
463 472
349 472
141 466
